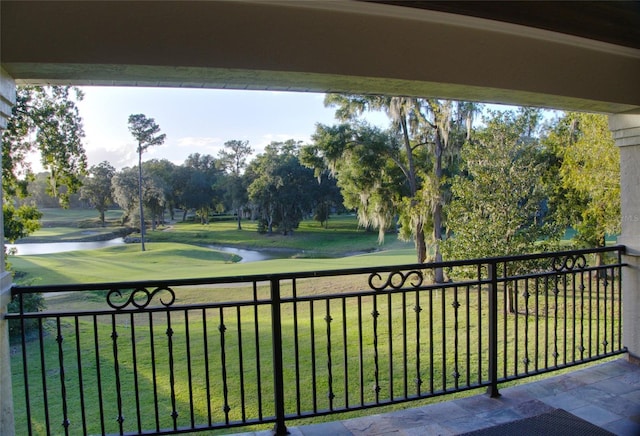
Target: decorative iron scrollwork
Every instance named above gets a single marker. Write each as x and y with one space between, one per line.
395 280
140 298
569 262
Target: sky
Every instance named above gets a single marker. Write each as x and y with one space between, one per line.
198 120
195 120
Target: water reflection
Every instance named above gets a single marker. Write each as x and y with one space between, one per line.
60 247
254 255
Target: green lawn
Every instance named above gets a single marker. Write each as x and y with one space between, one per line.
343 236
177 251
432 344
427 352
173 261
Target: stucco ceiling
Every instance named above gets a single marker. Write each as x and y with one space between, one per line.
321 46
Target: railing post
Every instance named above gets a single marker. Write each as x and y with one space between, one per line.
492 390
7 426
278 367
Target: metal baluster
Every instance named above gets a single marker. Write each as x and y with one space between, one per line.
207 377
172 376
456 306
243 405
314 380
546 322
404 345
444 338
360 351
278 368
80 378
605 284
257 335
375 314
479 292
223 362
515 324
417 309
468 333
582 287
135 371
492 390
63 384
189 369
116 369
505 317
555 322
597 312
390 340
328 319
296 347
526 295
537 324
45 395
431 344
573 291
154 372
98 372
564 331
345 353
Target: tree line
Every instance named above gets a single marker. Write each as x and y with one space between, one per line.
458 179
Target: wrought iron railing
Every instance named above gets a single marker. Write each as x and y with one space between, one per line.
186 355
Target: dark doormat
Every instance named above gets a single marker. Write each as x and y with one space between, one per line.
557 422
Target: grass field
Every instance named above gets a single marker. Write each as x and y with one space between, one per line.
222 353
177 251
219 355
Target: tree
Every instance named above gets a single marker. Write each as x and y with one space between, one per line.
44 120
425 137
233 161
124 185
358 156
199 176
326 197
163 173
497 204
279 189
587 162
126 190
145 131
97 187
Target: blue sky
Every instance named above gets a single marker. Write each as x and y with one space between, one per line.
198 120
195 120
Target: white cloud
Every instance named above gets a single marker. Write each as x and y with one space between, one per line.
199 142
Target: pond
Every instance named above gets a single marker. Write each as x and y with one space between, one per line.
254 255
60 247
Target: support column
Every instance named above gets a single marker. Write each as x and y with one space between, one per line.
7 427
626 132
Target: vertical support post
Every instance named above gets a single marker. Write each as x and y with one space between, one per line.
280 429
492 390
626 133
7 426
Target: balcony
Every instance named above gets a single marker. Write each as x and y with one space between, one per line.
255 352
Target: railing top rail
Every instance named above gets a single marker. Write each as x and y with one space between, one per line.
17 289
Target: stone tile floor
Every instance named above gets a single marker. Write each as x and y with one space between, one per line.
606 394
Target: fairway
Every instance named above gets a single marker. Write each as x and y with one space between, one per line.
178 251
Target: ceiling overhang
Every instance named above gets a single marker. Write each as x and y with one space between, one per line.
320 46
